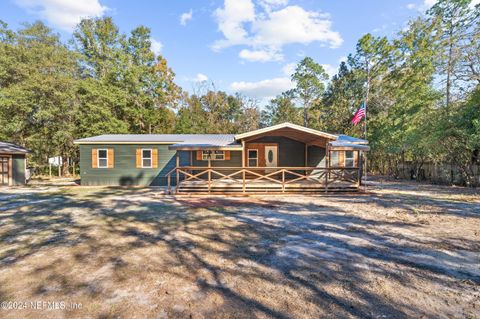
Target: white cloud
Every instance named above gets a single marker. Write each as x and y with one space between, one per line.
263 89
342 59
185 17
260 55
269 4
156 46
270 29
65 14
289 68
295 25
231 20
329 69
200 78
427 4
411 6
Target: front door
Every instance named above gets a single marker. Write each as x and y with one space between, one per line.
4 170
271 156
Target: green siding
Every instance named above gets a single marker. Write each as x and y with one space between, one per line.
290 152
124 171
316 156
18 169
235 160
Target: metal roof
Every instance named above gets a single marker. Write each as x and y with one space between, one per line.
195 139
348 145
210 141
10 148
351 139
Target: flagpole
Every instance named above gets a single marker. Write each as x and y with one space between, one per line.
366 106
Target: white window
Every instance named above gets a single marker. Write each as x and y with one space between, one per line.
213 155
252 158
349 159
146 158
334 159
102 157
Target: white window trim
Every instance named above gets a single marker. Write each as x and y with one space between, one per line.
98 157
151 157
352 159
205 156
249 158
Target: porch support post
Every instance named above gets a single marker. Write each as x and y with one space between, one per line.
306 155
243 166
243 154
209 174
327 166
177 166
359 166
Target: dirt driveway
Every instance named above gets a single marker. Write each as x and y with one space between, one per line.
403 250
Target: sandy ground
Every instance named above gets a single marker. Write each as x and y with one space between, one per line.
402 250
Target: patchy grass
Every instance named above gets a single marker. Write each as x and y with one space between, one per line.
403 250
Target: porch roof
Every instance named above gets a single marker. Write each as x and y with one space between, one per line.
347 146
287 127
207 142
9 148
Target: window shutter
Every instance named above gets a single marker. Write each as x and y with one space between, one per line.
94 158
341 159
227 155
138 158
355 158
199 155
154 157
111 158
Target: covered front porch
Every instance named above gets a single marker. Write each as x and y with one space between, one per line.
280 159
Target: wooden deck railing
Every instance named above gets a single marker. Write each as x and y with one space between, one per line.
283 176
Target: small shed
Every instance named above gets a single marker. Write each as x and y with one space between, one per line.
13 164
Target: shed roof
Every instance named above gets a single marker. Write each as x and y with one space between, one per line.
351 139
344 146
9 148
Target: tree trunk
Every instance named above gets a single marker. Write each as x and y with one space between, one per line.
449 68
305 114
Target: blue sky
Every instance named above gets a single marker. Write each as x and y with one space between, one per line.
248 46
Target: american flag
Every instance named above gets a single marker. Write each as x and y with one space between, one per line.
359 114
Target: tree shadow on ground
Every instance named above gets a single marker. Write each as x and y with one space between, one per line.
270 257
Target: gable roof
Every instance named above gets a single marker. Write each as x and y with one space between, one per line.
10 148
286 125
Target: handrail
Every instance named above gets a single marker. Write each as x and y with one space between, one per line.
312 173
295 168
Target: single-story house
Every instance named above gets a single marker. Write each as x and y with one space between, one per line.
277 158
13 164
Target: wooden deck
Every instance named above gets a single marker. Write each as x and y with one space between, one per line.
238 180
